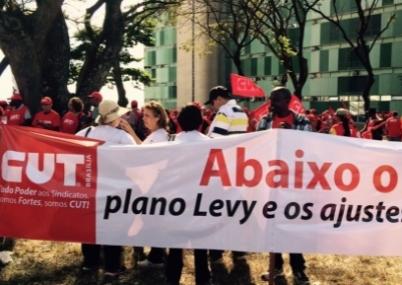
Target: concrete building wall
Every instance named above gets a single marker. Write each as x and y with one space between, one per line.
194 78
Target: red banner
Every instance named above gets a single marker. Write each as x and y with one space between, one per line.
245 87
47 178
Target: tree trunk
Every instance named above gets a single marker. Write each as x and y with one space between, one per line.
19 48
121 92
55 68
287 63
302 78
367 89
3 65
237 62
103 54
23 41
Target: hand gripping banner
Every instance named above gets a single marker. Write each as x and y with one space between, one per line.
278 190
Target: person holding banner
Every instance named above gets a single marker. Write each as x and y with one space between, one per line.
71 121
19 114
114 131
230 119
156 121
48 118
280 116
190 121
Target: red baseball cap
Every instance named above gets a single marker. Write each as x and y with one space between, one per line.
16 97
3 103
96 96
46 101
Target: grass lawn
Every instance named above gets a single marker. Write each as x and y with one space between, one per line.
51 263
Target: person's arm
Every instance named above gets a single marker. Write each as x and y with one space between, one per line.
219 126
124 125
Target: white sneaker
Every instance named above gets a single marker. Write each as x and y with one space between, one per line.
5 257
147 263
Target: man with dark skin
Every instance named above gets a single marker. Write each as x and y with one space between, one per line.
280 116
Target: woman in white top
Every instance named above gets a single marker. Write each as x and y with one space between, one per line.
113 130
156 121
190 120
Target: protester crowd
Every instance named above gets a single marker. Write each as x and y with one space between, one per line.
221 115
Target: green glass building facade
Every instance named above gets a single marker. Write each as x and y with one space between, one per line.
160 62
335 74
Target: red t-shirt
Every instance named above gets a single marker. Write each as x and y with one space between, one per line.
70 122
50 120
17 117
337 129
393 127
279 122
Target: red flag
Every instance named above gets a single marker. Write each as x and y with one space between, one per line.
296 105
245 87
260 111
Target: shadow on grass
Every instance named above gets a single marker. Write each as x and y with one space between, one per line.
41 274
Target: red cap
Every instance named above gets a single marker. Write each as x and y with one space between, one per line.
16 97
96 96
46 101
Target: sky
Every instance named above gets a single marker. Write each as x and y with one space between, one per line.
76 9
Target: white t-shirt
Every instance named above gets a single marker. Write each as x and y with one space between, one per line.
190 136
160 135
111 135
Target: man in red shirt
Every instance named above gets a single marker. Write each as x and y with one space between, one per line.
18 114
48 118
393 127
280 116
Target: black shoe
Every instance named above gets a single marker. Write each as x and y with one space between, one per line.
110 279
139 256
300 278
117 272
279 277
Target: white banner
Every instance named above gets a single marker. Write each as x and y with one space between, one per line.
270 191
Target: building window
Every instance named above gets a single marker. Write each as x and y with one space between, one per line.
161 37
172 94
172 73
348 60
267 65
330 34
293 35
153 73
174 55
343 6
324 60
387 2
386 55
351 85
253 69
150 58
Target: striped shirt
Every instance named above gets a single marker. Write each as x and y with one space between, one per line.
301 123
230 119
